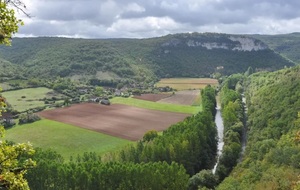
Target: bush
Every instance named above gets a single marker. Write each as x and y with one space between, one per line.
28 118
150 135
7 123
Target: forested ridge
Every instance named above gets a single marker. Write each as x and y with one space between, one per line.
178 55
272 156
288 45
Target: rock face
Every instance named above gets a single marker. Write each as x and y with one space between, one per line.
248 44
217 41
207 45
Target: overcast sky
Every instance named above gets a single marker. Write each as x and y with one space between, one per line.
151 18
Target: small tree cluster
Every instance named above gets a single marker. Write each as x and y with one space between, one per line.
28 118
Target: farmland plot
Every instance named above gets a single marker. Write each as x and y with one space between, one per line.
152 97
122 121
187 83
185 97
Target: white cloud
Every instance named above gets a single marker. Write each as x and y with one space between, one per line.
137 18
148 25
134 7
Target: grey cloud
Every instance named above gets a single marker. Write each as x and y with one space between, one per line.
102 13
95 18
226 11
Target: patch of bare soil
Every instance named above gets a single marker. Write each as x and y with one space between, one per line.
152 97
185 97
117 120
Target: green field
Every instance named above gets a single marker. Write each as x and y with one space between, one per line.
64 138
186 83
157 105
31 98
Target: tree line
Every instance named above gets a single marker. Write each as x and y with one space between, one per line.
233 118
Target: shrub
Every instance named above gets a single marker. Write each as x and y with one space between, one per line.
28 118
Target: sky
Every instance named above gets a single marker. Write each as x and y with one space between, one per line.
154 18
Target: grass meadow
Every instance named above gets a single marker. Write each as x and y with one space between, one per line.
157 105
66 139
24 99
186 83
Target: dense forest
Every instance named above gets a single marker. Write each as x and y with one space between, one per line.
178 55
272 156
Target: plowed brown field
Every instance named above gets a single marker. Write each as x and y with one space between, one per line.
185 97
117 120
152 97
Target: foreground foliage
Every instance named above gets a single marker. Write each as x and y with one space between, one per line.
9 24
15 159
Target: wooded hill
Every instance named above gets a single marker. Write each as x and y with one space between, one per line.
288 45
179 55
272 156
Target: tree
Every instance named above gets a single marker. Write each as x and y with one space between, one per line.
150 135
9 24
249 71
205 178
67 102
14 158
98 91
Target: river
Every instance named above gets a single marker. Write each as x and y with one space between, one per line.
244 136
220 128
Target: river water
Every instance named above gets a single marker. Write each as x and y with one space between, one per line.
220 128
244 136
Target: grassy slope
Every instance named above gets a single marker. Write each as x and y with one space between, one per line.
33 95
66 139
157 106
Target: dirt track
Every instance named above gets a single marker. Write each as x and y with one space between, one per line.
117 120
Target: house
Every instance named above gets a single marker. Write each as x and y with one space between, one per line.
105 102
118 93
